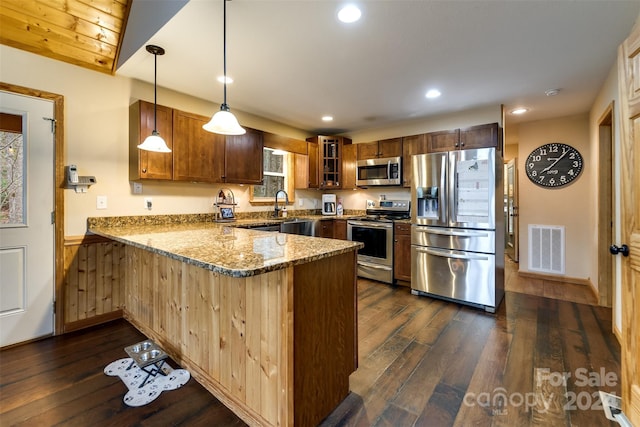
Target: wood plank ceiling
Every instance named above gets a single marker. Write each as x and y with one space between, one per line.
87 33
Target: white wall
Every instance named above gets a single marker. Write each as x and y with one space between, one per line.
568 206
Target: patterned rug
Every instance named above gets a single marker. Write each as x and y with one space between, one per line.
133 377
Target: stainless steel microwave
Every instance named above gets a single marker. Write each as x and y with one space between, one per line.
382 171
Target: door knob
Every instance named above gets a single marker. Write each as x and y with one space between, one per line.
615 250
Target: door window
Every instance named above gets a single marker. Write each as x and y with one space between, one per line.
12 171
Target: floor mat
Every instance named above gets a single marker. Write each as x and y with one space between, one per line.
133 377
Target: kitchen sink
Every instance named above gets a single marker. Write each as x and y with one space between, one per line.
302 226
305 227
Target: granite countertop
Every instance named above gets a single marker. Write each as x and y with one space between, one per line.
222 247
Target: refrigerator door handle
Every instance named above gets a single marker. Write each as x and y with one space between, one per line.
457 233
449 254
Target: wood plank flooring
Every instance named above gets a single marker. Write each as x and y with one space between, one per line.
423 362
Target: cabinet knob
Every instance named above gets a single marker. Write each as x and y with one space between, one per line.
144 170
461 144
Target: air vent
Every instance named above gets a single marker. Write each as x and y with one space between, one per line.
546 248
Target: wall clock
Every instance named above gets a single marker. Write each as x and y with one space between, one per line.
554 165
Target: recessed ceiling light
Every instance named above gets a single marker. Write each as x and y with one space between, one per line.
221 79
520 110
433 93
349 14
327 118
552 92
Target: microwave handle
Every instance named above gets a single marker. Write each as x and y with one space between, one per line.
389 169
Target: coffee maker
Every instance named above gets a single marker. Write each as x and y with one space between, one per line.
328 204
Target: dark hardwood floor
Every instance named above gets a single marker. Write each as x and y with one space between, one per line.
423 362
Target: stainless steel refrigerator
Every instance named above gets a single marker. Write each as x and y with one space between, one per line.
457 233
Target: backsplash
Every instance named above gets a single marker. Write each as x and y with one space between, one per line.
119 221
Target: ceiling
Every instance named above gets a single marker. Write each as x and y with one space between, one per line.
293 61
81 32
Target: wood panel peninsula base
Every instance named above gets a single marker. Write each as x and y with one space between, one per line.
276 347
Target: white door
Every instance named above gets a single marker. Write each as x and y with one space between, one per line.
26 230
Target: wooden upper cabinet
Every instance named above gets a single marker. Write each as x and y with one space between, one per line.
367 150
480 136
244 158
414 144
306 167
445 140
329 160
377 149
349 166
390 147
198 155
147 164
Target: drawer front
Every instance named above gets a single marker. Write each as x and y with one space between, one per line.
454 238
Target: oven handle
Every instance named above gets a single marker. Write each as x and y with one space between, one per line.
370 224
376 266
449 254
460 233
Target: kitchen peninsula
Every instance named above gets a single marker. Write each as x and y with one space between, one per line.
265 321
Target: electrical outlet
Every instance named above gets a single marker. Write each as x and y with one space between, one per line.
137 188
300 202
101 202
148 203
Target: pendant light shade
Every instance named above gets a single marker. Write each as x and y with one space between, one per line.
154 142
224 122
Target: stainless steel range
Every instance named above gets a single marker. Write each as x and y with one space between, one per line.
375 230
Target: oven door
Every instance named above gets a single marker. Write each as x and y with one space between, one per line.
375 259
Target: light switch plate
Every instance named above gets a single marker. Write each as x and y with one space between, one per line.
101 202
137 188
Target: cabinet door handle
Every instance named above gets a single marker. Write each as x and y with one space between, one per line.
144 170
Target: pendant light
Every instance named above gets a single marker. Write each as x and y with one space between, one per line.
224 122
154 142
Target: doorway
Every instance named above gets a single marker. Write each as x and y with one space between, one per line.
511 220
605 207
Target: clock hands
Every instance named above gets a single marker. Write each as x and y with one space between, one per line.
564 152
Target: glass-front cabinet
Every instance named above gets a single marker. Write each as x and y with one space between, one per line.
330 158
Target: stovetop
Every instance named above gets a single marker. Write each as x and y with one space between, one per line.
386 210
381 217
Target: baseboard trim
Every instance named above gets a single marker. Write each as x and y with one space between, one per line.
555 278
93 321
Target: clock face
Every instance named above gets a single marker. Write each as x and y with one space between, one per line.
554 165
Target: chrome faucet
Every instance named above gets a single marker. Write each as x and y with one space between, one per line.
275 206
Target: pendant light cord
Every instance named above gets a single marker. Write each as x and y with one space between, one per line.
224 49
155 94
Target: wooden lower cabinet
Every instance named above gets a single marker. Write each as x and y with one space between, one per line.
340 229
94 276
402 253
325 228
276 348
